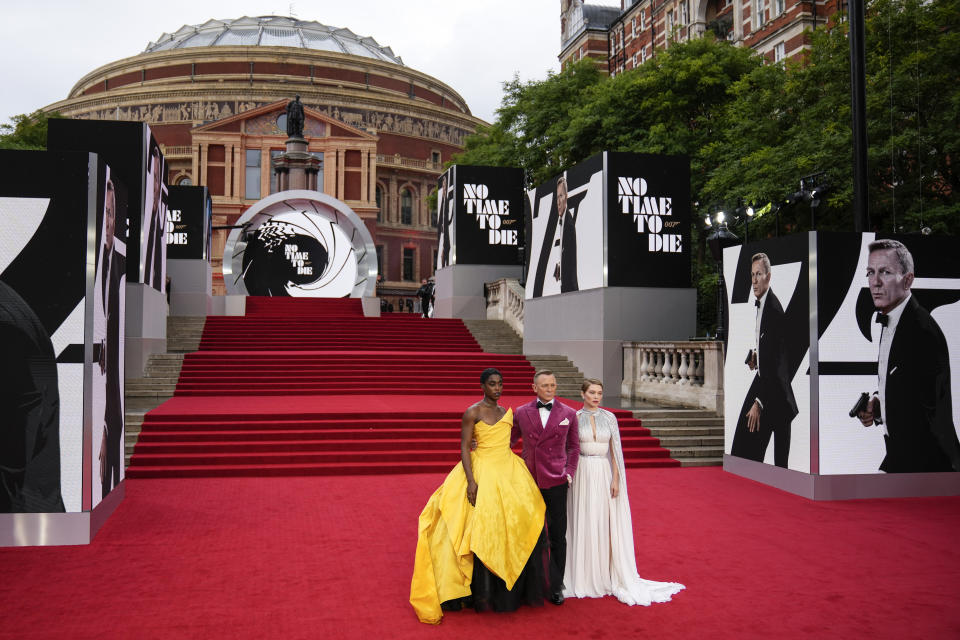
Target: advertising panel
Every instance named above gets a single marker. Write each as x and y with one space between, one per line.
153 258
566 246
488 222
766 373
648 220
446 219
188 225
889 353
130 149
62 292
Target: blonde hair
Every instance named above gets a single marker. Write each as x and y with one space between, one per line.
589 381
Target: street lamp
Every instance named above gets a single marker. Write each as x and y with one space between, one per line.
812 189
719 239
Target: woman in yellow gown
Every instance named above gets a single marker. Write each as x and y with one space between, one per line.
480 537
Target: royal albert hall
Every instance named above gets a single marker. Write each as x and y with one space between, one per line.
215 94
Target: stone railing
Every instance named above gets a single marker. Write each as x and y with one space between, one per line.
397 160
505 302
686 374
177 152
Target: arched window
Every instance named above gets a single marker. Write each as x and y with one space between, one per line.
379 193
184 181
406 207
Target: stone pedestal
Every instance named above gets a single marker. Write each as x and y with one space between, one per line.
589 327
296 168
459 289
146 327
191 290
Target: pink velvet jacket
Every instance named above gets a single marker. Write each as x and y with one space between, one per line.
551 452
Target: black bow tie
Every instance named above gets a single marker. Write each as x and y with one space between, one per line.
756 303
545 405
882 318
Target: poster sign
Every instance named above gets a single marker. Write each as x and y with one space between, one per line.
479 215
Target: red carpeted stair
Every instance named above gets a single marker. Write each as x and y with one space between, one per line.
311 387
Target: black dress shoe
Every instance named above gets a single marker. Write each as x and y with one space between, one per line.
556 598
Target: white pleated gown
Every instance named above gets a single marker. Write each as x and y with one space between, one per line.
600 555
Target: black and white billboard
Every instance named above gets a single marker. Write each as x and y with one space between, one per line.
153 257
479 215
880 387
648 220
615 219
62 276
566 231
300 244
766 373
133 153
188 223
889 333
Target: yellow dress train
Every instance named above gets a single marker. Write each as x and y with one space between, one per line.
501 530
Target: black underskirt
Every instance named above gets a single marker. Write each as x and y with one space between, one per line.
490 593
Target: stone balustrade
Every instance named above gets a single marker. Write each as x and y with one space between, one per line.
685 374
505 302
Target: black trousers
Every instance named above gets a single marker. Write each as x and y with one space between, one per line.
556 520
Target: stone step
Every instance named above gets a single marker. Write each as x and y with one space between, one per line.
495 336
693 421
696 452
699 462
667 412
659 432
677 442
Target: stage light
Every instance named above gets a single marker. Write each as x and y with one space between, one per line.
721 217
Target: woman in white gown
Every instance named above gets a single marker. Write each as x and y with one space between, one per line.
600 557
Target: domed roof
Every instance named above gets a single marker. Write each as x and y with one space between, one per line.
273 31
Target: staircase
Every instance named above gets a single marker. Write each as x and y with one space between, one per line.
693 436
160 376
299 388
569 377
495 336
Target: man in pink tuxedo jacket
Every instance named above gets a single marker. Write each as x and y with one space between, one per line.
551 449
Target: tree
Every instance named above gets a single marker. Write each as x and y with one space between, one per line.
785 122
26 131
530 130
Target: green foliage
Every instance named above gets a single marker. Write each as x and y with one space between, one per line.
530 131
787 122
26 131
753 129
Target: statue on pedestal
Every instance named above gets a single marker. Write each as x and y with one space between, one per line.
295 118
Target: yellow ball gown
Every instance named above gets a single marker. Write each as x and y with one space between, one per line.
501 530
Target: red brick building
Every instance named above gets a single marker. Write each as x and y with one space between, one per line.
774 28
214 96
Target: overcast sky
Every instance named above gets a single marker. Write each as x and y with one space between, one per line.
472 46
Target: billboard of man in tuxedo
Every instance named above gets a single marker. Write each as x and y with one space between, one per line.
913 405
558 256
154 224
110 278
772 405
445 217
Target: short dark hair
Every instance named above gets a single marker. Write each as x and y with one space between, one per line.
489 371
903 254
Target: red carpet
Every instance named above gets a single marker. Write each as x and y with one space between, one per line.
327 557
311 387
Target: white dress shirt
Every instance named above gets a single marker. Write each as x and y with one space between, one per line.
544 416
883 357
